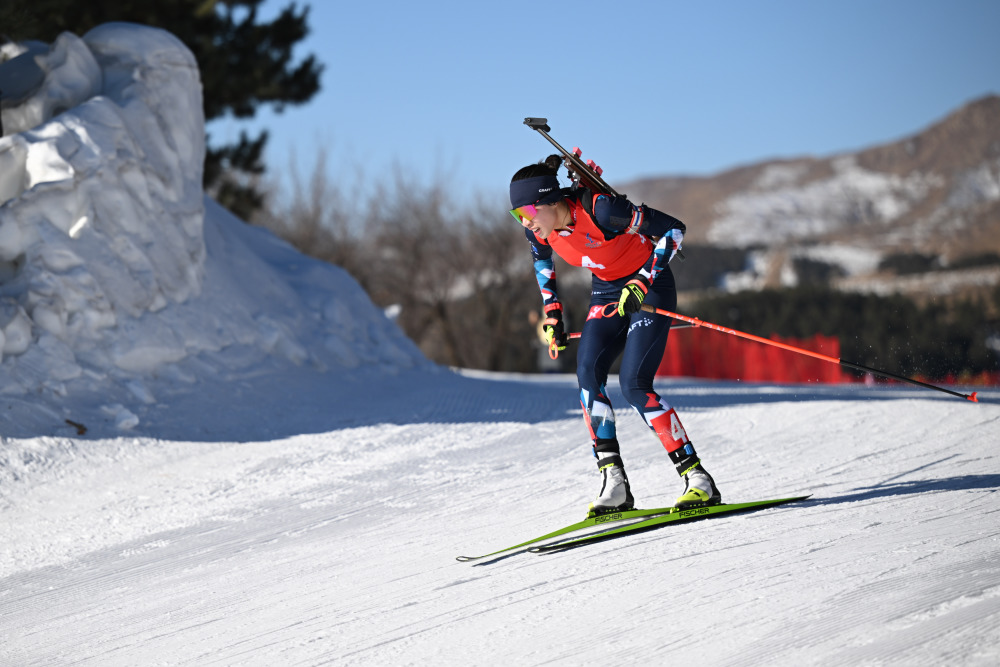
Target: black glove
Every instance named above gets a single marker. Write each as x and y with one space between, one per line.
632 295
552 326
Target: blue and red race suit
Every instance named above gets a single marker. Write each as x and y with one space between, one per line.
616 240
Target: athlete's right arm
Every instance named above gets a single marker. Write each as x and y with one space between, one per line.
545 270
545 274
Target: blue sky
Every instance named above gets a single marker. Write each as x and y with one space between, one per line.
440 89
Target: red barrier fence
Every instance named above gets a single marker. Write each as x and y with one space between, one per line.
697 352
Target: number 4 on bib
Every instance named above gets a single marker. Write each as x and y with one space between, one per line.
588 263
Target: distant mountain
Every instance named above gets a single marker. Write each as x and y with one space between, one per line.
927 202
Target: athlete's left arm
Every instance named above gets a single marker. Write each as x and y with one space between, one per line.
617 215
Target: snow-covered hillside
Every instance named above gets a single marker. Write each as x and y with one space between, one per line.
854 210
271 474
835 219
778 207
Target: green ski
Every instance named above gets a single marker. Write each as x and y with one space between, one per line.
662 520
580 525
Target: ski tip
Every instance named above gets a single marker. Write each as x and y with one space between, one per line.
972 397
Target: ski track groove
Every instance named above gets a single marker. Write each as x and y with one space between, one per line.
913 597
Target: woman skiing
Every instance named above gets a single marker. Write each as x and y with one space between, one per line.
627 248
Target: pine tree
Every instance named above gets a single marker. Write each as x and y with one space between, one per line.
243 64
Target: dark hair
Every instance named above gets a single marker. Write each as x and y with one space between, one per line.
547 167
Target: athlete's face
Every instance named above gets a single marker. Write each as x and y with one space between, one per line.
546 219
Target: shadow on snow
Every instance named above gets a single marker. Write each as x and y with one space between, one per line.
268 407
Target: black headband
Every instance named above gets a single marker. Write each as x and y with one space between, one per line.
536 190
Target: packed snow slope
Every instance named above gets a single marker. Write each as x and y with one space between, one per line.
338 546
271 474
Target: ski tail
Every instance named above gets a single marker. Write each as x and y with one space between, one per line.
589 522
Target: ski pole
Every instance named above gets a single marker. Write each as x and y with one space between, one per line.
554 349
694 321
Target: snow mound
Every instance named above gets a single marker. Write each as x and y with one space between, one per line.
118 277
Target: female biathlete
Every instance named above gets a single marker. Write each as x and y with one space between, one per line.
627 248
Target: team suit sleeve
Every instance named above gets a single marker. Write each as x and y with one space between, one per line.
545 272
617 215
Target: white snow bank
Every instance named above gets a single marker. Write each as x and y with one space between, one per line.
44 81
118 278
